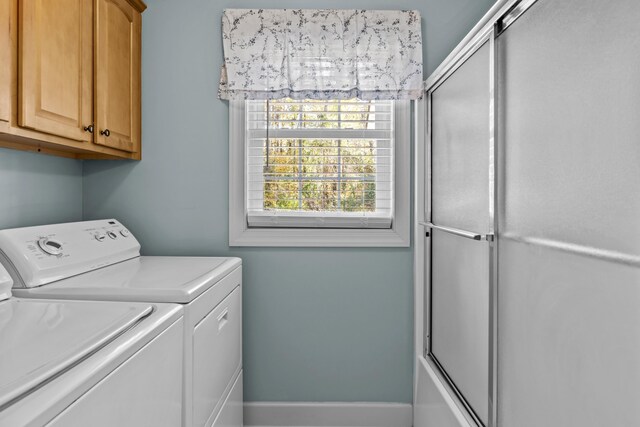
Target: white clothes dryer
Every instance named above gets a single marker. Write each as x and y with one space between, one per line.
77 363
105 259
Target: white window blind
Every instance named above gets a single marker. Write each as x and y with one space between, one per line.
315 163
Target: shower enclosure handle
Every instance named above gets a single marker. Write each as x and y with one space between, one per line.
462 233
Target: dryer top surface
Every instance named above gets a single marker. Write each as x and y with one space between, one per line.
146 278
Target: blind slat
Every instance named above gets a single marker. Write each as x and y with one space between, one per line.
336 116
321 133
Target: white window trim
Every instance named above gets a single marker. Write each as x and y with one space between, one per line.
396 236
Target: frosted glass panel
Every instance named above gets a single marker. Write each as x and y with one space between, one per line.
569 346
572 125
460 146
569 265
460 320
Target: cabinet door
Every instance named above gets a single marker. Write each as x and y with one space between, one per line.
117 75
55 75
5 60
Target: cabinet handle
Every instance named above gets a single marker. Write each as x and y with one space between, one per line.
105 132
88 128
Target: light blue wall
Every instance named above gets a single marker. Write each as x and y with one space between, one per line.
319 324
38 189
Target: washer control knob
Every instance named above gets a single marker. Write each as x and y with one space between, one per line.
50 246
112 235
125 232
100 237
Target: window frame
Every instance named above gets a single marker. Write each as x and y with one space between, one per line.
240 234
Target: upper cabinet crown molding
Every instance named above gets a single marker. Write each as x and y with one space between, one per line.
139 5
70 81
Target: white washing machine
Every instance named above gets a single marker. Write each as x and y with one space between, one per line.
106 264
88 363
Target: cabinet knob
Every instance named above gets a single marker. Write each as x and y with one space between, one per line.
88 128
105 132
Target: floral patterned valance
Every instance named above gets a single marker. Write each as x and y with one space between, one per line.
321 54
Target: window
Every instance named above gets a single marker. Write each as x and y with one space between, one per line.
319 163
319 173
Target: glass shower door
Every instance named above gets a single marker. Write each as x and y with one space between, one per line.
569 263
461 227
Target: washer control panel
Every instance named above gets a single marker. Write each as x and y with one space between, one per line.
50 246
52 252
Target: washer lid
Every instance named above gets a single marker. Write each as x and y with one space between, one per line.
39 339
147 278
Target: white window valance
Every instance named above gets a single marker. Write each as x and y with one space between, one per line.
321 54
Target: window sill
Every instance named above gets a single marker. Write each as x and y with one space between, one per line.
314 220
308 237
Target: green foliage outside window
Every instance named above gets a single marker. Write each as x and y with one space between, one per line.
320 174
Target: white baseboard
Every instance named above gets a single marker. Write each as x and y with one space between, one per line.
332 414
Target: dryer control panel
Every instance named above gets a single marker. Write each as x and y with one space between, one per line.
39 255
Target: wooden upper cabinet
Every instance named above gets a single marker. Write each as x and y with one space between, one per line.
56 67
117 75
70 77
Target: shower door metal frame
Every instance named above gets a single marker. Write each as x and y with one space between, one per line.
486 36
